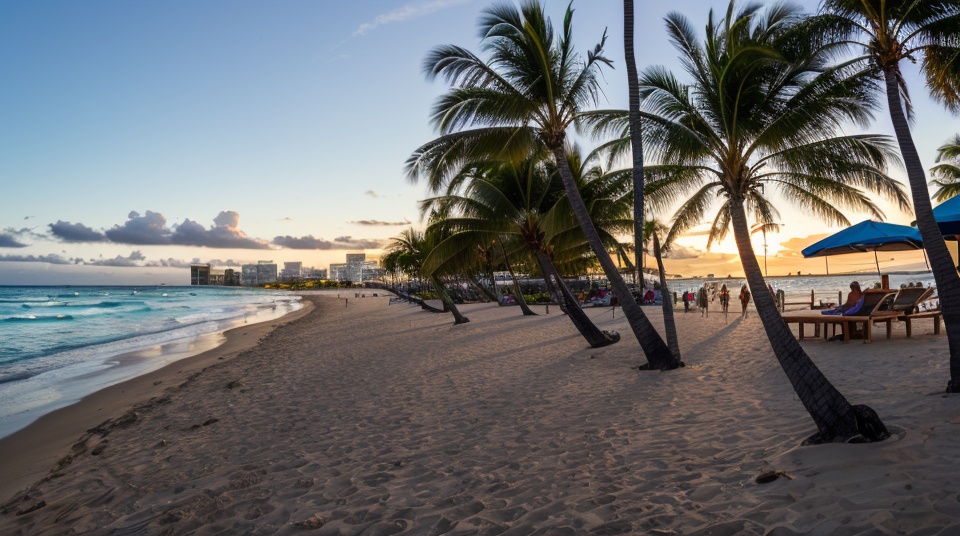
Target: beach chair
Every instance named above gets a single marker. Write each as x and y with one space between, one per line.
876 308
909 298
908 308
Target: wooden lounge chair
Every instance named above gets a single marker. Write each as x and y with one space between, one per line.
909 298
908 308
876 309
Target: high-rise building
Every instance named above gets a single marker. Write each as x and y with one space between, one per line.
292 270
259 274
355 266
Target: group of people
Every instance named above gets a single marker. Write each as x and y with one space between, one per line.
702 299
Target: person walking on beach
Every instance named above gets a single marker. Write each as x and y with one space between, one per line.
686 301
702 301
744 300
724 298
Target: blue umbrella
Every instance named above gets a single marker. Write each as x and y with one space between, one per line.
867 236
947 215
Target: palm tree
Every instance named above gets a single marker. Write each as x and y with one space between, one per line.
761 114
525 97
885 33
947 170
415 247
763 228
501 199
636 138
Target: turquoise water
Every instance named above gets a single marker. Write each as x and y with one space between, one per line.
58 344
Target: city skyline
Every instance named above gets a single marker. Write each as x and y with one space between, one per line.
137 137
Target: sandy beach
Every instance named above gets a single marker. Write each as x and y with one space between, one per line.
373 418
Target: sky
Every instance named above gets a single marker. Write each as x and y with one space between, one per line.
138 137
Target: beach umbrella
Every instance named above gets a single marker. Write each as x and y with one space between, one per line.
947 215
867 236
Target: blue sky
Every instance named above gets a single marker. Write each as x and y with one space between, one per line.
130 132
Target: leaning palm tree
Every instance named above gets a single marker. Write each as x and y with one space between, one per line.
516 201
524 97
947 171
760 117
414 247
885 33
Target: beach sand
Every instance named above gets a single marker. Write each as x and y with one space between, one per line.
369 418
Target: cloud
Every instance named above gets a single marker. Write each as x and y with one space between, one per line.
124 262
678 252
407 12
309 242
225 233
151 230
52 258
8 241
75 232
147 230
371 193
167 263
380 223
793 247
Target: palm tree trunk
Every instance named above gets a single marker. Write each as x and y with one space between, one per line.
944 272
835 418
636 140
447 302
568 304
483 290
658 353
669 323
493 280
516 284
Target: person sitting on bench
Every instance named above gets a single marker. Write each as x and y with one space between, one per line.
852 305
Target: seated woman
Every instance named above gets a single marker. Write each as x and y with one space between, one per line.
852 305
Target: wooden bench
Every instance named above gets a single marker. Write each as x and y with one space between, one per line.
847 324
935 315
875 306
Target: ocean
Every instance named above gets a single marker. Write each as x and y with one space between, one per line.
59 344
797 288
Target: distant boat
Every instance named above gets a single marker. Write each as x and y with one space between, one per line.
135 292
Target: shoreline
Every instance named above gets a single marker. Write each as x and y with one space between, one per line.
29 453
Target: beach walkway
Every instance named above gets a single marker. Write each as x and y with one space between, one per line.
372 418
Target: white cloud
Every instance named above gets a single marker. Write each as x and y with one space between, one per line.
406 12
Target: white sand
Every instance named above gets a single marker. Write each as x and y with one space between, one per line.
383 419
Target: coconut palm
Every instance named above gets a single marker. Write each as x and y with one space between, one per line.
524 97
636 137
884 33
415 247
760 117
947 171
523 202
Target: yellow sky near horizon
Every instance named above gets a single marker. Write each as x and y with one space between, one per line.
786 259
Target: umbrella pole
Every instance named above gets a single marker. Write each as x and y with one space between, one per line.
875 259
827 264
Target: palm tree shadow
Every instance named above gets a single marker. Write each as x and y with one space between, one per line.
714 340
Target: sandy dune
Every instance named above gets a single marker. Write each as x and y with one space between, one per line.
384 419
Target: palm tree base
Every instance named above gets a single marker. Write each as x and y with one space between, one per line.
869 427
953 386
647 366
609 337
463 320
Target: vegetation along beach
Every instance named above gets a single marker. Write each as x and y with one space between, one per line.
609 268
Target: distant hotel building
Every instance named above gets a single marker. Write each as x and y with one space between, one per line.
258 274
205 274
356 269
291 270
